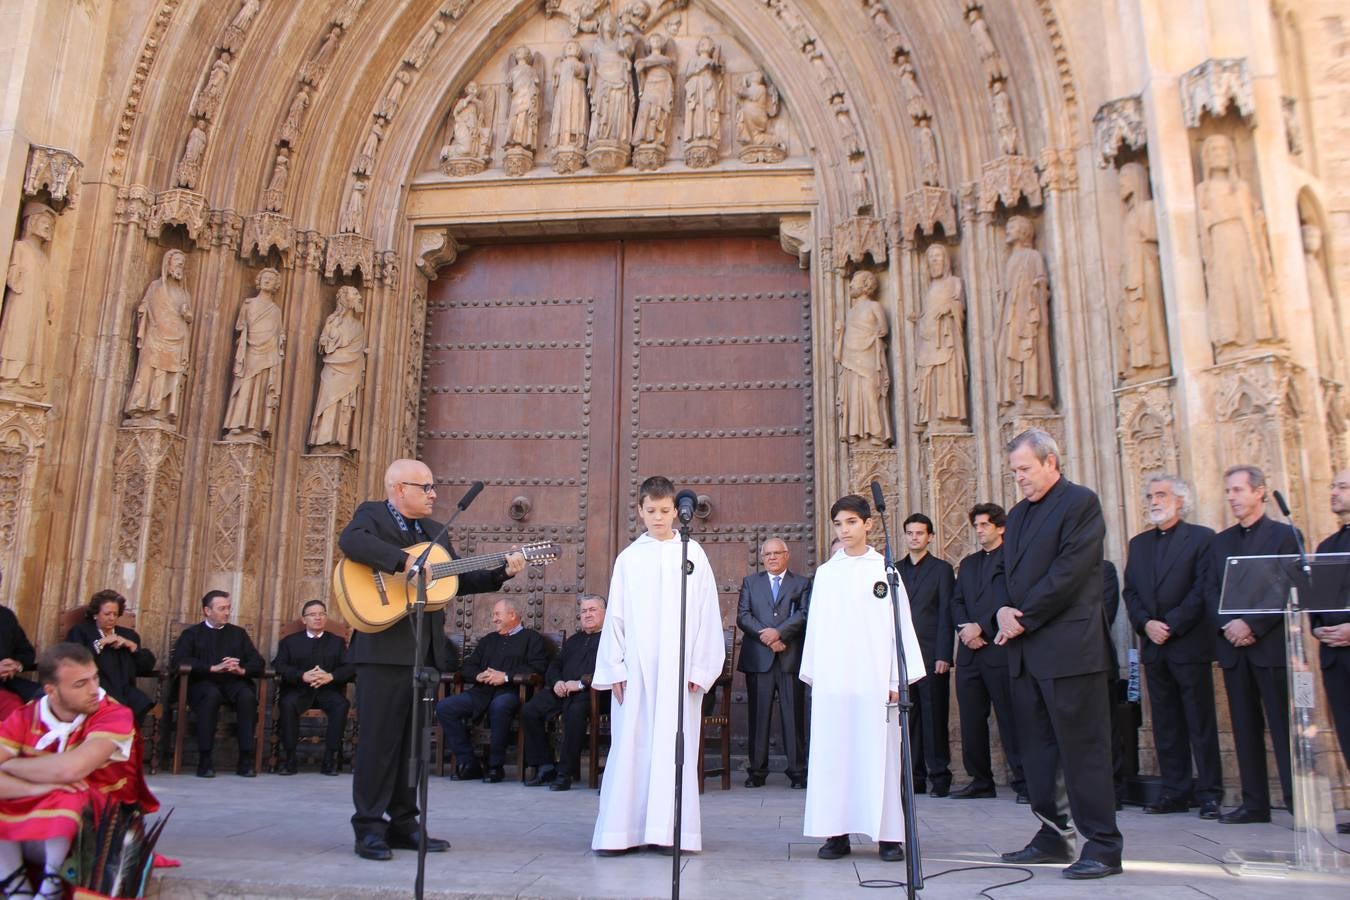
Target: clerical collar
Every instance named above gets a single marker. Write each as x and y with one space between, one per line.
1164 532
992 550
1247 529
313 634
207 623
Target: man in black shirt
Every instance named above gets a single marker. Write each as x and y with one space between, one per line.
500 661
1333 629
929 582
224 663
16 655
313 671
566 690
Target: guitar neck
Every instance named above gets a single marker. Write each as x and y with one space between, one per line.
482 563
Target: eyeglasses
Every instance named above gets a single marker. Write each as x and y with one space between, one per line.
774 553
426 488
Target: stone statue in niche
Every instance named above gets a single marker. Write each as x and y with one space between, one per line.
940 345
703 106
189 170
206 103
316 67
295 118
611 86
1025 368
864 378
274 197
346 15
656 103
365 160
239 25
1142 319
28 292
1329 349
256 391
470 145
915 104
928 156
342 344
421 48
163 322
758 104
1239 277
984 45
522 121
1008 139
355 211
571 111
389 102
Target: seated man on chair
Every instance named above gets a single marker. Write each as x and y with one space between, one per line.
75 747
313 670
564 692
224 663
499 658
16 655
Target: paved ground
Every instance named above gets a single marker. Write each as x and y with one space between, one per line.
279 837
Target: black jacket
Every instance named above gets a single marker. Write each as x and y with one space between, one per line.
575 660
754 612
1338 592
14 644
1051 570
298 653
519 655
973 600
201 648
1265 538
929 586
117 668
1173 594
373 538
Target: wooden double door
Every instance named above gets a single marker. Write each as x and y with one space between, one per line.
563 374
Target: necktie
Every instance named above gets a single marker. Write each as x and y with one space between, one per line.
774 582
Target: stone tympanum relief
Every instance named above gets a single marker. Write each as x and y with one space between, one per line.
612 101
1239 277
940 345
206 104
239 25
189 170
571 110
656 103
274 196
864 376
27 294
354 212
522 124
469 146
163 329
703 106
1141 321
1025 367
757 106
342 344
256 390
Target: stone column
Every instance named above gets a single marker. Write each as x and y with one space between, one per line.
23 424
325 502
239 492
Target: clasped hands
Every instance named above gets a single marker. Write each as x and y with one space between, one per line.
9 668
316 677
494 677
230 665
563 688
1009 625
1333 635
1239 633
115 640
770 638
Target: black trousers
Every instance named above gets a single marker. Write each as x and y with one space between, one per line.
534 716
295 702
457 713
761 690
1185 726
931 696
1336 680
1250 688
205 697
978 689
1062 723
380 784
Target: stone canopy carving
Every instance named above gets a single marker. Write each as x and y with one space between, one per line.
57 172
1119 124
1212 86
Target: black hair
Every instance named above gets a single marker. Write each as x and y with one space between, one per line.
212 595
997 517
51 659
96 603
921 519
308 603
851 503
658 487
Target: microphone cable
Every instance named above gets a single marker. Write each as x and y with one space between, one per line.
986 892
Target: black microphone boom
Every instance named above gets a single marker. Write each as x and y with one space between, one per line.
685 502
1279 501
878 499
469 496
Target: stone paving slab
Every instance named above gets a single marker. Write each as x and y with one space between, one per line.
274 837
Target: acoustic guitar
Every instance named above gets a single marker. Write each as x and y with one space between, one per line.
371 601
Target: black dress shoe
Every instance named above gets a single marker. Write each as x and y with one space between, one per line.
1032 855
542 776
206 770
755 781
1343 828
401 841
1165 806
891 851
245 770
1244 816
372 846
799 784
330 764
941 790
1024 799
288 766
624 852
1091 868
561 783
493 775
973 791
469 771
1209 809
836 847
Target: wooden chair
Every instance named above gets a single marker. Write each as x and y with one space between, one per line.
717 714
314 714
600 729
173 700
149 731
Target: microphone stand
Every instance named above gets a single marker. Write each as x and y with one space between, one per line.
914 865
679 712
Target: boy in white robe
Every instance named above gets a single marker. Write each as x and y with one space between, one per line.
848 658
638 658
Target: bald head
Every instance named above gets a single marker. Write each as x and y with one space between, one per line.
505 616
774 554
405 483
1340 494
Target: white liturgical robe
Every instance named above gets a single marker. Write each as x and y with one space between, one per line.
639 645
848 658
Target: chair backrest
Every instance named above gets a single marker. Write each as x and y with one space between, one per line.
77 614
555 641
729 635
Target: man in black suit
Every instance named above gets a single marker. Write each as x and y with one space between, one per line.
1165 576
771 613
1049 579
224 663
929 582
1333 629
16 655
313 671
1251 648
981 665
378 536
567 690
499 663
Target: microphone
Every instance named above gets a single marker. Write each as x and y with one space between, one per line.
1279 501
878 500
685 501
469 496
